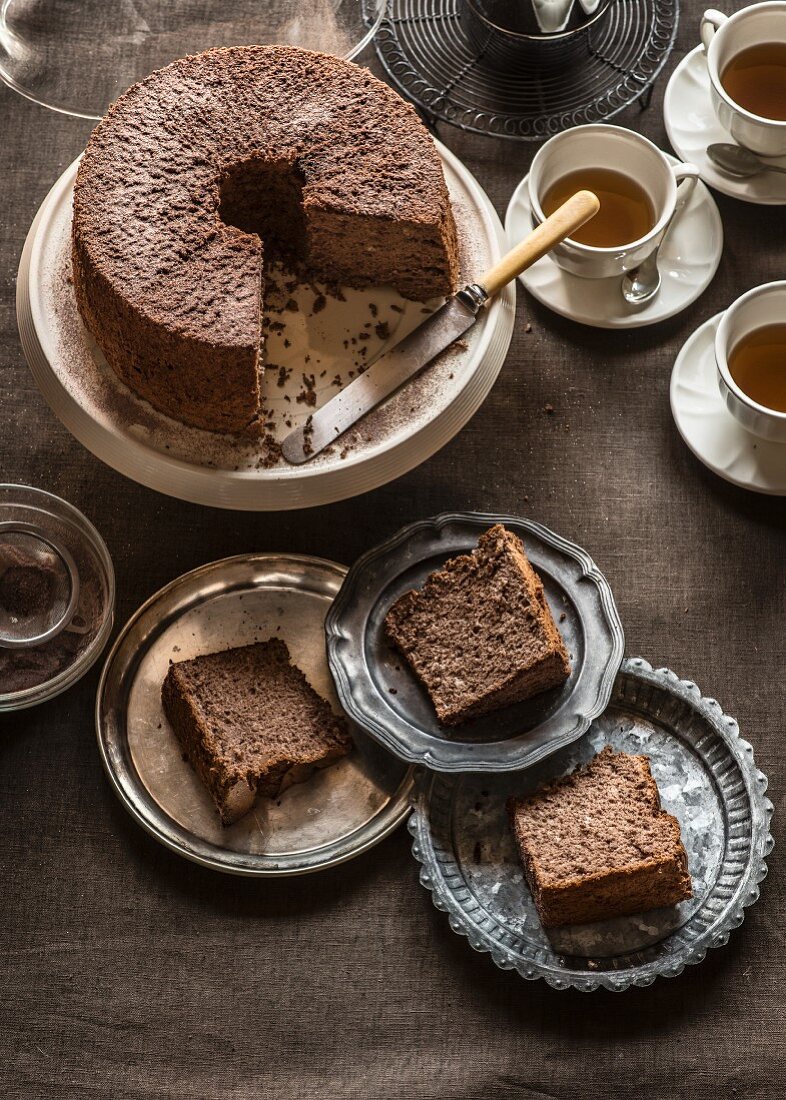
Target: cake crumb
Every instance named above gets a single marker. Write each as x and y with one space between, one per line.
308 432
308 395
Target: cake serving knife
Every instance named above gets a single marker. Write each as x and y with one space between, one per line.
437 332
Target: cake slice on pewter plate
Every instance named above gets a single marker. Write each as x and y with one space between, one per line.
250 723
596 844
479 634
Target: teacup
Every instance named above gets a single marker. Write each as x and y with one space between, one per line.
723 37
764 305
509 32
597 146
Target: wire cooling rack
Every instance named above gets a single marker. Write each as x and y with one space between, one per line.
428 55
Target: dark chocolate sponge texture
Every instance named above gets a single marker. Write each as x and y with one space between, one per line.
220 161
250 723
479 634
596 844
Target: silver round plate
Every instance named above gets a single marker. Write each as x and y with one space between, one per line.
378 690
707 778
339 813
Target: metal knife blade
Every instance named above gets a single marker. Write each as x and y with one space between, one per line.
384 376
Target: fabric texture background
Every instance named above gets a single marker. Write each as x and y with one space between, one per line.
130 973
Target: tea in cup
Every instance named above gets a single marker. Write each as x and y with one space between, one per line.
746 61
750 353
637 196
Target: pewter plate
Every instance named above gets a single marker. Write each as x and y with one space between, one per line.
707 778
382 695
339 813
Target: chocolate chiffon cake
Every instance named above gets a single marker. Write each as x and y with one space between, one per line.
219 163
479 634
596 844
250 723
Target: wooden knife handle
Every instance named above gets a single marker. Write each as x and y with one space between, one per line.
578 209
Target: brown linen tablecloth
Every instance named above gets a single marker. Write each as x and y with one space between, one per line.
128 972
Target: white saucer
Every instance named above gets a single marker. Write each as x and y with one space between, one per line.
692 125
688 262
709 429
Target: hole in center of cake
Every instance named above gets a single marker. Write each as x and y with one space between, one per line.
265 197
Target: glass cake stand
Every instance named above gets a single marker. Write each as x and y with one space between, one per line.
77 57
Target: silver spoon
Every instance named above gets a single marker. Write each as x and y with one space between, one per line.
641 286
740 162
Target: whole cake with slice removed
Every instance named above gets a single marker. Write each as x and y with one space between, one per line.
250 723
219 163
596 844
479 634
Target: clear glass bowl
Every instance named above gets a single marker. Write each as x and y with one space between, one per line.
77 58
25 504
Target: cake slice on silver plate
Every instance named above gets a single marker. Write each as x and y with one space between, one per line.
250 723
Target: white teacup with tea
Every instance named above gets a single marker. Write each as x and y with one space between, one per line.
636 185
746 61
750 354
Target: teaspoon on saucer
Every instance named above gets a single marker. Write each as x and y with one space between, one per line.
641 286
738 161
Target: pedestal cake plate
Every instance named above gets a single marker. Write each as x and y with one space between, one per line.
334 340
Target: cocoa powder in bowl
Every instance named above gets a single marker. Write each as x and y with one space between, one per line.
24 587
25 590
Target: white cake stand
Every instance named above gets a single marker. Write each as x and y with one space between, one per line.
205 468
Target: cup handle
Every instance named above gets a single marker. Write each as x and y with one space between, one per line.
711 22
686 177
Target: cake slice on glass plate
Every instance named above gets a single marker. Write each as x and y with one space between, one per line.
596 844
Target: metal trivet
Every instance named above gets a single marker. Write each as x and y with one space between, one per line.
428 55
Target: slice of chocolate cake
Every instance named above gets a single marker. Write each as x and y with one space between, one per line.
479 633
596 844
250 723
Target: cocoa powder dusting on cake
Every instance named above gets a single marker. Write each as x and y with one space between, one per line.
97 390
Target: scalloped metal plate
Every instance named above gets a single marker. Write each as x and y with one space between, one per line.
707 778
384 698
